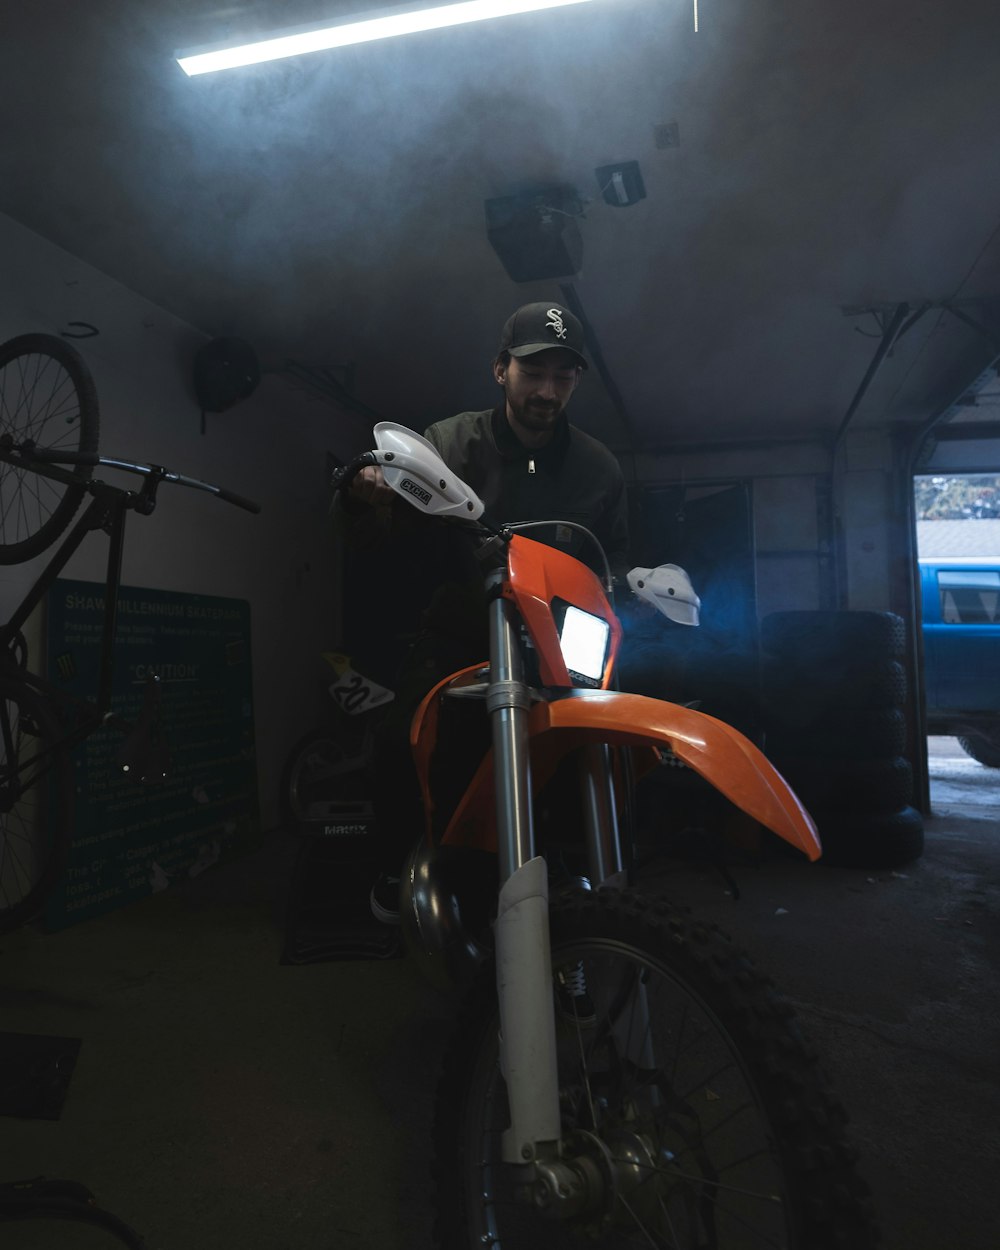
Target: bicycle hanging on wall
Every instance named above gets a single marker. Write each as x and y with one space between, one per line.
49 424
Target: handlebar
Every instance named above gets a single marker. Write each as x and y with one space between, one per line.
180 479
345 475
28 456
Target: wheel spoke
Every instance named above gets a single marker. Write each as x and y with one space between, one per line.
653 1169
46 398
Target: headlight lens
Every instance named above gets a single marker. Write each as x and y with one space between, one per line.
583 641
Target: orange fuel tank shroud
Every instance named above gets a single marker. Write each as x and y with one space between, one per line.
424 733
719 753
723 756
537 574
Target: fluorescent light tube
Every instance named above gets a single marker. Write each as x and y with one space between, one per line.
407 23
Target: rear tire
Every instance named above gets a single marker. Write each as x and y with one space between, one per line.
47 396
36 803
684 1082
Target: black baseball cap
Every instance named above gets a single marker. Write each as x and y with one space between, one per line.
538 327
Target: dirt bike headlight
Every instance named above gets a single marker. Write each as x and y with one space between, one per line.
583 640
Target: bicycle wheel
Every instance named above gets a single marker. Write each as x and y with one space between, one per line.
44 1227
48 396
321 771
36 796
691 1108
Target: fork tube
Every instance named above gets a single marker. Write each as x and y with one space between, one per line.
523 949
600 814
508 702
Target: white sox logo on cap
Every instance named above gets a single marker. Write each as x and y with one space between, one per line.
556 323
536 327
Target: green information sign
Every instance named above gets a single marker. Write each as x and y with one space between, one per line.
132 838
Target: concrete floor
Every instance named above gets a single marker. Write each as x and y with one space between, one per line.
223 1100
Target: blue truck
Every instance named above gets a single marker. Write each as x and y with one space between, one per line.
960 604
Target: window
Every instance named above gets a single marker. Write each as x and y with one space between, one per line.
969 597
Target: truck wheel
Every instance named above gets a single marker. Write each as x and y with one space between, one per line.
983 747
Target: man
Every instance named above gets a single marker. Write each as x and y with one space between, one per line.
527 463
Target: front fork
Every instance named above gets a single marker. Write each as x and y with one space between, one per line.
523 962
523 951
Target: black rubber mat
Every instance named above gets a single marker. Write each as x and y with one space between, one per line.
35 1073
328 914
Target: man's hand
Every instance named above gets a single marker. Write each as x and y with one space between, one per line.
370 487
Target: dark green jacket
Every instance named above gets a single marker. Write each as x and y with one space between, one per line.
572 478
407 572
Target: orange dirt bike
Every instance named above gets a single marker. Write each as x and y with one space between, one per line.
622 1076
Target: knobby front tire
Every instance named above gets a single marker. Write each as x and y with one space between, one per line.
687 1078
47 396
36 804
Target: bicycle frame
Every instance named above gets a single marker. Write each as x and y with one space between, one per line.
40 723
107 511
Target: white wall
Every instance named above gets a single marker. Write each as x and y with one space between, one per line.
791 494
787 481
867 515
272 448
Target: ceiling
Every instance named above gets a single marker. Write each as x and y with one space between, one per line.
832 155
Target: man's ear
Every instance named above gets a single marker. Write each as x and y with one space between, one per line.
499 371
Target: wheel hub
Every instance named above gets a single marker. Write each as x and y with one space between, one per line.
614 1178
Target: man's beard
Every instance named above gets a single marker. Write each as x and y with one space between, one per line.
535 415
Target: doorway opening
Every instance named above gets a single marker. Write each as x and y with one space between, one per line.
958 553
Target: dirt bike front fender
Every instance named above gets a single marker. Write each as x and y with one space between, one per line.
716 751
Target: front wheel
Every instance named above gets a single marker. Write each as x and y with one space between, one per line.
47 397
690 1102
36 803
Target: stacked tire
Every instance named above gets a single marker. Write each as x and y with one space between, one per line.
833 711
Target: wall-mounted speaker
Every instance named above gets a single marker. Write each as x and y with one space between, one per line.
225 372
535 233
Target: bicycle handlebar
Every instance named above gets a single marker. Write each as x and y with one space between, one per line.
181 479
47 455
